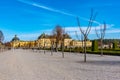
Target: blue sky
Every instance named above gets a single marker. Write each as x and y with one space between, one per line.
29 18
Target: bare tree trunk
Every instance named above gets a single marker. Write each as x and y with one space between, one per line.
56 47
44 48
85 50
101 36
82 42
63 49
52 50
101 47
70 49
38 46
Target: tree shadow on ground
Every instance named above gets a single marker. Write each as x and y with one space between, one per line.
109 63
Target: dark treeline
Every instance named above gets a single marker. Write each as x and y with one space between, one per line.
107 41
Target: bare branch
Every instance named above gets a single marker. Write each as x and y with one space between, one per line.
77 35
91 23
104 29
79 26
97 33
101 35
87 31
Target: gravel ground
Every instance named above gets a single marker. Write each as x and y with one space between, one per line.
28 65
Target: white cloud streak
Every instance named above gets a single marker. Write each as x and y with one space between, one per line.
45 7
76 28
51 9
70 30
109 29
54 10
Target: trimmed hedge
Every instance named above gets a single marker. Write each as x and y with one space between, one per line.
115 45
115 53
94 45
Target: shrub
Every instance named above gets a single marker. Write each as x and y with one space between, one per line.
94 45
115 45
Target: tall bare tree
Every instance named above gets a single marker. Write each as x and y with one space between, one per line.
101 35
58 35
86 32
65 35
52 40
63 40
70 42
44 36
79 39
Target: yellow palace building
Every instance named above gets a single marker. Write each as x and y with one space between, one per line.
47 42
17 43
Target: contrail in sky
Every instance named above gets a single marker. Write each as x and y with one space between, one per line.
54 10
46 7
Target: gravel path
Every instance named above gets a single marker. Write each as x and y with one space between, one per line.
28 65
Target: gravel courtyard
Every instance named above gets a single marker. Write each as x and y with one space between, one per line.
28 65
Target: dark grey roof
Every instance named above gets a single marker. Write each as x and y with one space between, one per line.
15 38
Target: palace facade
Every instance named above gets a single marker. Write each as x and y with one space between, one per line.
46 42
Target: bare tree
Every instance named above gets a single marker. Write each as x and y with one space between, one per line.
79 39
86 32
1 39
65 35
44 36
58 35
70 42
77 35
101 35
63 40
52 37
1 36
